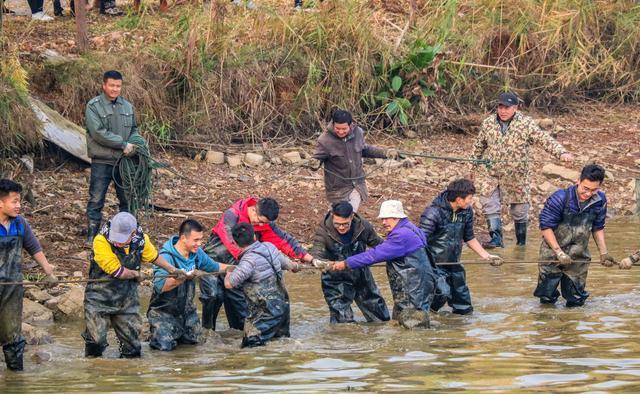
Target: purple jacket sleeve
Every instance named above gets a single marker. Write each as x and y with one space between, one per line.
30 242
393 247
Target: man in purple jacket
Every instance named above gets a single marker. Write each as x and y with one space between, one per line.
410 273
569 217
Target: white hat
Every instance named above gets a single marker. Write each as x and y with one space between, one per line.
122 225
391 209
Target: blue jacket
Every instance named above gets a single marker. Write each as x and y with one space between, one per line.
19 226
199 260
403 240
553 211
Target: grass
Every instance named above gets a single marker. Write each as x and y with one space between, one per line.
224 74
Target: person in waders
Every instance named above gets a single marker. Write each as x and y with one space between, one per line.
261 214
343 233
15 235
569 218
409 268
172 312
118 251
447 223
259 274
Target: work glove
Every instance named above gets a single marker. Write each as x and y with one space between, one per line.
320 264
607 260
628 262
141 277
392 154
50 281
314 164
495 260
563 258
625 264
295 267
129 274
129 149
179 274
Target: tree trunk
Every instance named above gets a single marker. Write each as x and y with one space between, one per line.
82 34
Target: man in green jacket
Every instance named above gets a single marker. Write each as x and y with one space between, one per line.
110 124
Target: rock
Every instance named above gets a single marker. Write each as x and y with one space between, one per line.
545 123
253 159
41 357
33 312
547 187
554 171
276 161
52 303
410 134
71 304
166 193
292 157
559 129
631 186
234 161
214 157
34 335
37 295
637 161
78 274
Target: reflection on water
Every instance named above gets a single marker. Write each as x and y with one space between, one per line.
510 343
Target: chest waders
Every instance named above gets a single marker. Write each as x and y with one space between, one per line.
213 294
412 283
341 289
11 301
445 245
573 235
269 310
173 317
114 303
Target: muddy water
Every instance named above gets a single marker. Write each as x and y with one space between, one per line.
510 343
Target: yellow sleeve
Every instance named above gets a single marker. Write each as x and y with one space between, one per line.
149 254
104 256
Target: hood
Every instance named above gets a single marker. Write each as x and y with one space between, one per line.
327 225
441 202
177 259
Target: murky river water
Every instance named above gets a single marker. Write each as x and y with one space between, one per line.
510 343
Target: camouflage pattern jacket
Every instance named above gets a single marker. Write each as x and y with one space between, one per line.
512 174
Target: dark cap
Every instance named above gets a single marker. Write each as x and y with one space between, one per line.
508 99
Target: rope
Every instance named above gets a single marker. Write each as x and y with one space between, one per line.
135 175
103 280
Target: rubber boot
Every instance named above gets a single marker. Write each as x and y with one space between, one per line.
495 231
521 233
14 354
93 350
92 231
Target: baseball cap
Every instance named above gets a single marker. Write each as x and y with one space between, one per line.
508 99
122 225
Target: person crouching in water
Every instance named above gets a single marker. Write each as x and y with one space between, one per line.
172 313
259 273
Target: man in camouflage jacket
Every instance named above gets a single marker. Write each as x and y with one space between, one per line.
505 140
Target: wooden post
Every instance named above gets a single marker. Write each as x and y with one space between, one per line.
637 196
82 35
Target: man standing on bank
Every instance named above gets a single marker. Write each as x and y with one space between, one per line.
505 140
569 217
110 123
341 149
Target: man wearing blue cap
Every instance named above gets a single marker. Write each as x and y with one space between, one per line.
504 140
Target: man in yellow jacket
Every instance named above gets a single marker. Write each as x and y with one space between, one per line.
112 299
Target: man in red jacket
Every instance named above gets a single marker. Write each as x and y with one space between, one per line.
262 214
